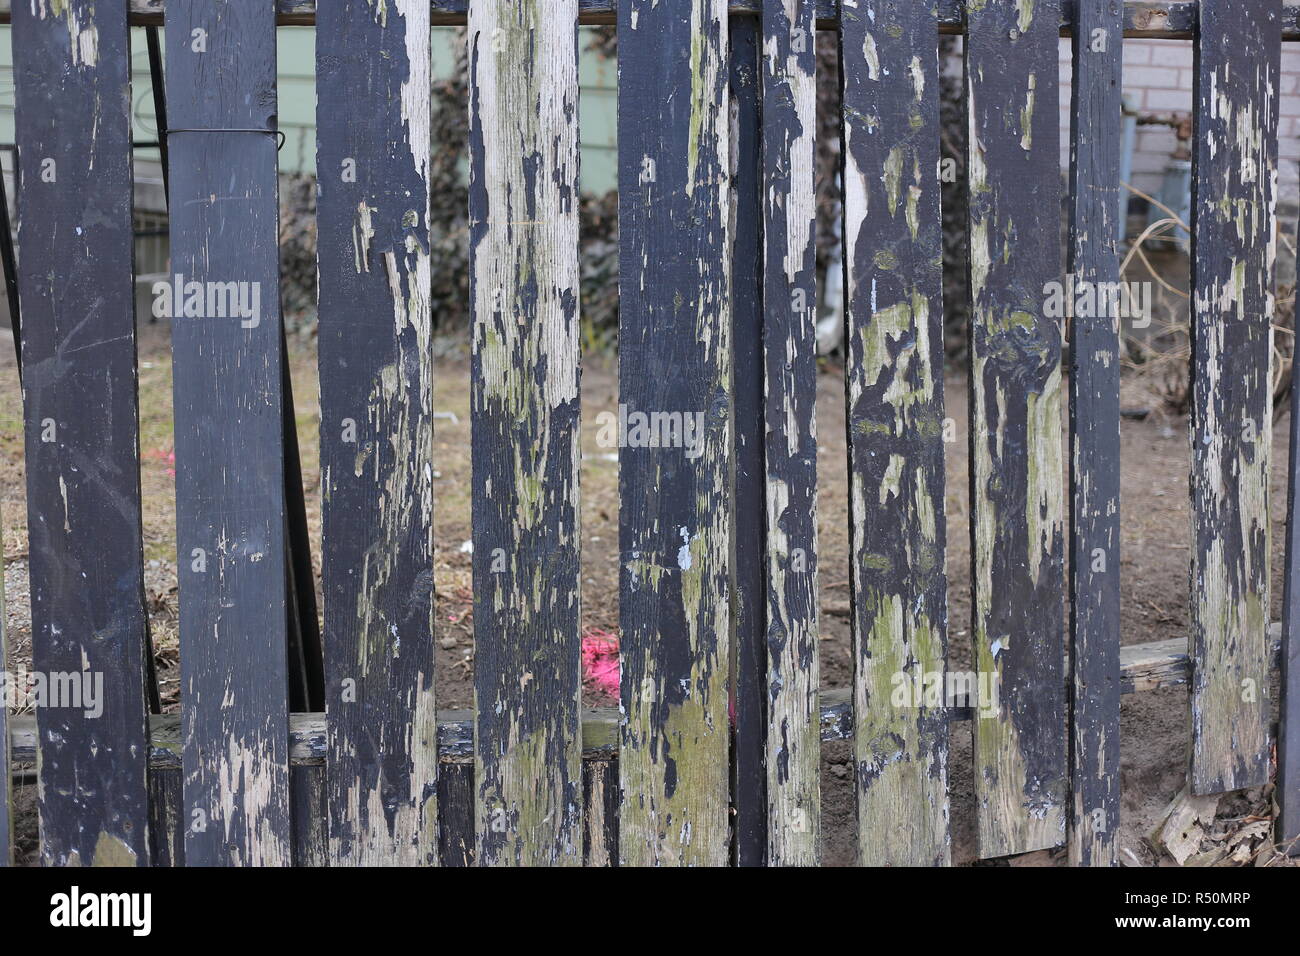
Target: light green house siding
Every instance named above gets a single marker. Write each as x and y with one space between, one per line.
297 88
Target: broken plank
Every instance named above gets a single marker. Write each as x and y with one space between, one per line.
894 320
674 485
1094 433
72 73
376 395
789 127
526 450
226 347
748 634
1017 534
1234 175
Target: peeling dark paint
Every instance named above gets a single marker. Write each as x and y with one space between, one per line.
749 573
526 450
1234 186
1094 438
229 438
674 356
71 64
376 371
894 318
1017 498
790 441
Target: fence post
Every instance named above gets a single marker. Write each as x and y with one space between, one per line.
1234 169
72 73
526 444
749 578
1017 534
1094 434
230 519
674 365
376 388
893 281
789 128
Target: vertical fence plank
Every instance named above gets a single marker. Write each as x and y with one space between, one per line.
1017 538
749 643
229 445
309 807
675 390
456 814
72 63
892 253
166 818
376 393
600 797
1234 174
789 127
524 291
6 784
1094 433
1288 745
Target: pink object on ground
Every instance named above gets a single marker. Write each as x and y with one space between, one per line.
600 661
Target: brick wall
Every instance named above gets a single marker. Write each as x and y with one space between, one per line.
1158 79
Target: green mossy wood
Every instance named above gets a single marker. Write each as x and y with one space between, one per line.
790 434
230 518
523 90
674 364
376 394
71 66
893 287
1017 494
1094 435
1234 181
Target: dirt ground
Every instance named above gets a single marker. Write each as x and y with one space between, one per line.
1154 558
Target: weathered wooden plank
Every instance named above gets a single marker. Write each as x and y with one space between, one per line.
229 444
789 127
526 450
600 798
1017 538
1287 832
1234 173
1095 109
892 252
6 784
72 72
166 817
1165 19
309 803
376 394
749 577
674 365
456 811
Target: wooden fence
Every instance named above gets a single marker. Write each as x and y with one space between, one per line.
714 756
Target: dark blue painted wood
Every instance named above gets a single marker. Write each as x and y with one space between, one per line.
229 442
72 72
